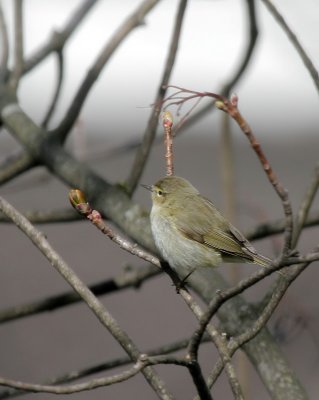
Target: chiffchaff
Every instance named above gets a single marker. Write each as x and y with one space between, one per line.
190 232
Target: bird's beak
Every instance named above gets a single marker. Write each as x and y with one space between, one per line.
148 187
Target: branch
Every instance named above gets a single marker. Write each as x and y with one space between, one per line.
94 304
79 202
295 42
276 295
4 46
247 56
133 21
305 206
58 39
230 107
129 216
18 45
15 165
117 362
59 56
266 229
144 148
45 217
131 277
75 388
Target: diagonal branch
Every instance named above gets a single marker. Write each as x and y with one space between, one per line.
144 148
55 98
133 21
58 39
305 206
295 42
15 165
83 291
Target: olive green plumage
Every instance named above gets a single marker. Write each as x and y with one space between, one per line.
189 231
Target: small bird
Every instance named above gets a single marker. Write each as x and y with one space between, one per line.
190 232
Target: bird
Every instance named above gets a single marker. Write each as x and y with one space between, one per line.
190 232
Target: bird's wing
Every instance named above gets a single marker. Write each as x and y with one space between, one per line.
208 227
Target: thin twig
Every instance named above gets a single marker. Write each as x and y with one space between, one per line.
46 120
88 297
267 229
230 107
4 45
58 39
295 42
168 135
246 58
102 367
18 45
72 113
44 217
305 206
144 148
276 295
74 388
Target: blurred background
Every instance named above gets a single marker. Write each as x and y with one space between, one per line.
278 99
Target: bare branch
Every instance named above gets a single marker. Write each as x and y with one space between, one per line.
95 305
150 131
278 226
130 277
133 21
168 124
247 56
18 45
4 45
59 56
305 206
58 39
275 296
94 369
45 217
15 165
230 107
75 388
295 42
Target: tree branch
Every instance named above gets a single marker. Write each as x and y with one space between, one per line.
295 42
58 39
18 45
4 46
15 165
134 20
59 57
93 303
144 148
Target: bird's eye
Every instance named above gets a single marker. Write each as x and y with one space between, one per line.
160 192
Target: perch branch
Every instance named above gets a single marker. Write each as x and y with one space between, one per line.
168 124
93 303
